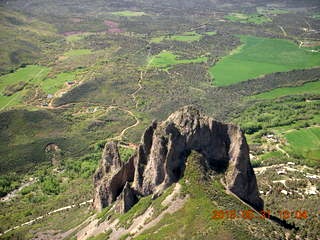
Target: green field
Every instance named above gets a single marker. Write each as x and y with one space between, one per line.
307 88
129 14
244 18
29 74
165 59
183 37
32 74
52 85
78 52
305 142
260 56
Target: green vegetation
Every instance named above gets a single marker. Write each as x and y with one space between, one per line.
166 59
183 37
211 33
259 56
78 52
15 86
129 14
307 88
50 185
52 85
125 153
305 142
316 16
74 38
77 37
193 220
31 74
52 191
272 11
84 167
44 45
244 18
138 209
8 183
279 117
23 41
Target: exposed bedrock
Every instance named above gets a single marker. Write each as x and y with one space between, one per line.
160 160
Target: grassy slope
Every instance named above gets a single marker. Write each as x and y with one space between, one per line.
308 88
260 56
25 134
305 142
193 220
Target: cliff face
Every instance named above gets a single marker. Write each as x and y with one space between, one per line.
160 160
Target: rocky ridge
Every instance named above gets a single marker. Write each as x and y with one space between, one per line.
160 160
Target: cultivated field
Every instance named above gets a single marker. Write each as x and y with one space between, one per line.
260 56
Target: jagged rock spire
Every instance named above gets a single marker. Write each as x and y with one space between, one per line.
160 159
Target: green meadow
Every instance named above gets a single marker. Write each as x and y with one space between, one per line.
52 85
165 59
183 37
31 74
259 56
307 88
129 14
245 18
305 142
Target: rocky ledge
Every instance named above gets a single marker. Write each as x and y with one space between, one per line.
160 160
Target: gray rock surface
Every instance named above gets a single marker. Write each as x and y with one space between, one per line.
160 160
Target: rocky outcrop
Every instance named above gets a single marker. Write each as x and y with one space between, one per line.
111 177
160 160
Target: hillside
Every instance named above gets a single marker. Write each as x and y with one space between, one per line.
76 75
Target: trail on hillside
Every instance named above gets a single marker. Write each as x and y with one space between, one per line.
34 220
14 193
281 150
